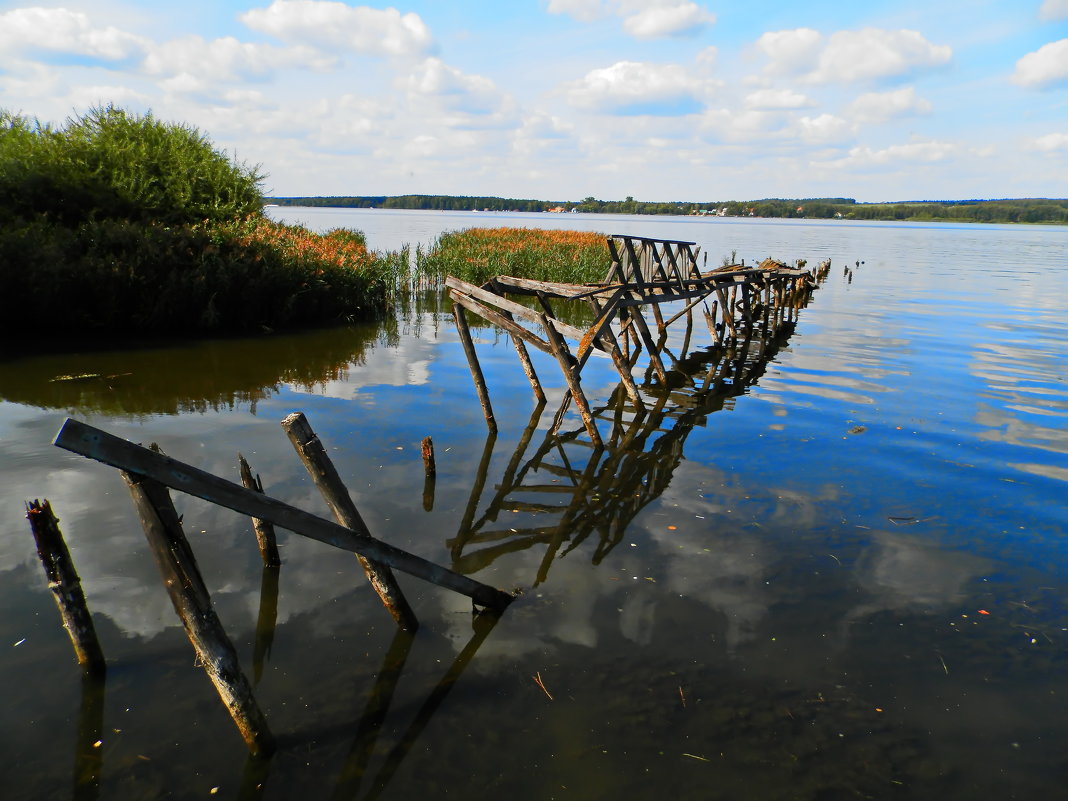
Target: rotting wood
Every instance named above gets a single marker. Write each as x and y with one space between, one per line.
430 471
66 587
265 536
93 443
326 479
192 602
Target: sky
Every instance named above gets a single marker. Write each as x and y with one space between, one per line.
659 100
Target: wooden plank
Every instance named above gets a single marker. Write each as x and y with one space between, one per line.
517 309
93 443
327 480
647 239
498 318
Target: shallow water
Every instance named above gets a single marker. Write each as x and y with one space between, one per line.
838 574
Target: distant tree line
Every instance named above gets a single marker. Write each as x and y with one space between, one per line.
1026 210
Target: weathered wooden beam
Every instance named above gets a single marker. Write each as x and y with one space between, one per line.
472 363
326 479
192 602
498 318
66 586
265 536
567 367
93 443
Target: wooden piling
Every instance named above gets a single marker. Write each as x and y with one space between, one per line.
192 602
472 363
66 587
265 536
329 483
429 473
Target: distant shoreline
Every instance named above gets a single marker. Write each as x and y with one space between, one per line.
1006 210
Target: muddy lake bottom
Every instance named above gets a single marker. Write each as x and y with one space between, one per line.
842 575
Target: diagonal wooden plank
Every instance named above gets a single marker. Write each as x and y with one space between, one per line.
93 443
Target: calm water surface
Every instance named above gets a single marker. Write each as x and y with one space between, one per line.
838 572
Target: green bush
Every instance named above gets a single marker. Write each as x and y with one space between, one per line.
118 223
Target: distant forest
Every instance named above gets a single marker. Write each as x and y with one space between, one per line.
1026 210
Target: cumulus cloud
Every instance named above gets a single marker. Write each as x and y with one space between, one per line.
878 107
324 23
631 87
192 61
846 56
1047 66
916 152
772 99
434 79
63 31
1054 9
822 129
642 19
1052 142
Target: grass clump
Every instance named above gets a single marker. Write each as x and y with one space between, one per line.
117 223
478 254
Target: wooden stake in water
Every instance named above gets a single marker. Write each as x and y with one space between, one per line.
66 587
326 479
264 528
192 602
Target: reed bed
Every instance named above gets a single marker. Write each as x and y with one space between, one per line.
478 254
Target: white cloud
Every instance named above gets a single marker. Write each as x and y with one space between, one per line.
876 53
682 19
916 152
329 24
192 61
64 31
1054 9
846 56
454 89
772 99
791 51
822 129
878 107
707 57
1045 67
1052 142
631 87
642 19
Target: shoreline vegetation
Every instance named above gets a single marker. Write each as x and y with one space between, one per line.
121 224
1007 210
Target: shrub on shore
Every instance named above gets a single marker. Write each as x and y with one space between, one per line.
117 223
478 254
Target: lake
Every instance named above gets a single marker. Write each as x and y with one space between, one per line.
838 572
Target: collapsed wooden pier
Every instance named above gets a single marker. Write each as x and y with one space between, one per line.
644 274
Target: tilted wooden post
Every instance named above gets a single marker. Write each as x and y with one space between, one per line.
265 536
326 479
192 602
66 587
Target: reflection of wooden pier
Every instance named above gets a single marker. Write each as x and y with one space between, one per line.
571 486
644 274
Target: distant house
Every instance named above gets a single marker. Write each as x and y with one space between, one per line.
556 210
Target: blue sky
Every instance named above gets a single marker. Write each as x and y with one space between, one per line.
563 99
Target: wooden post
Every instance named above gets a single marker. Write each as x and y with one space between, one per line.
264 529
329 483
472 362
93 443
66 587
429 473
566 362
192 602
